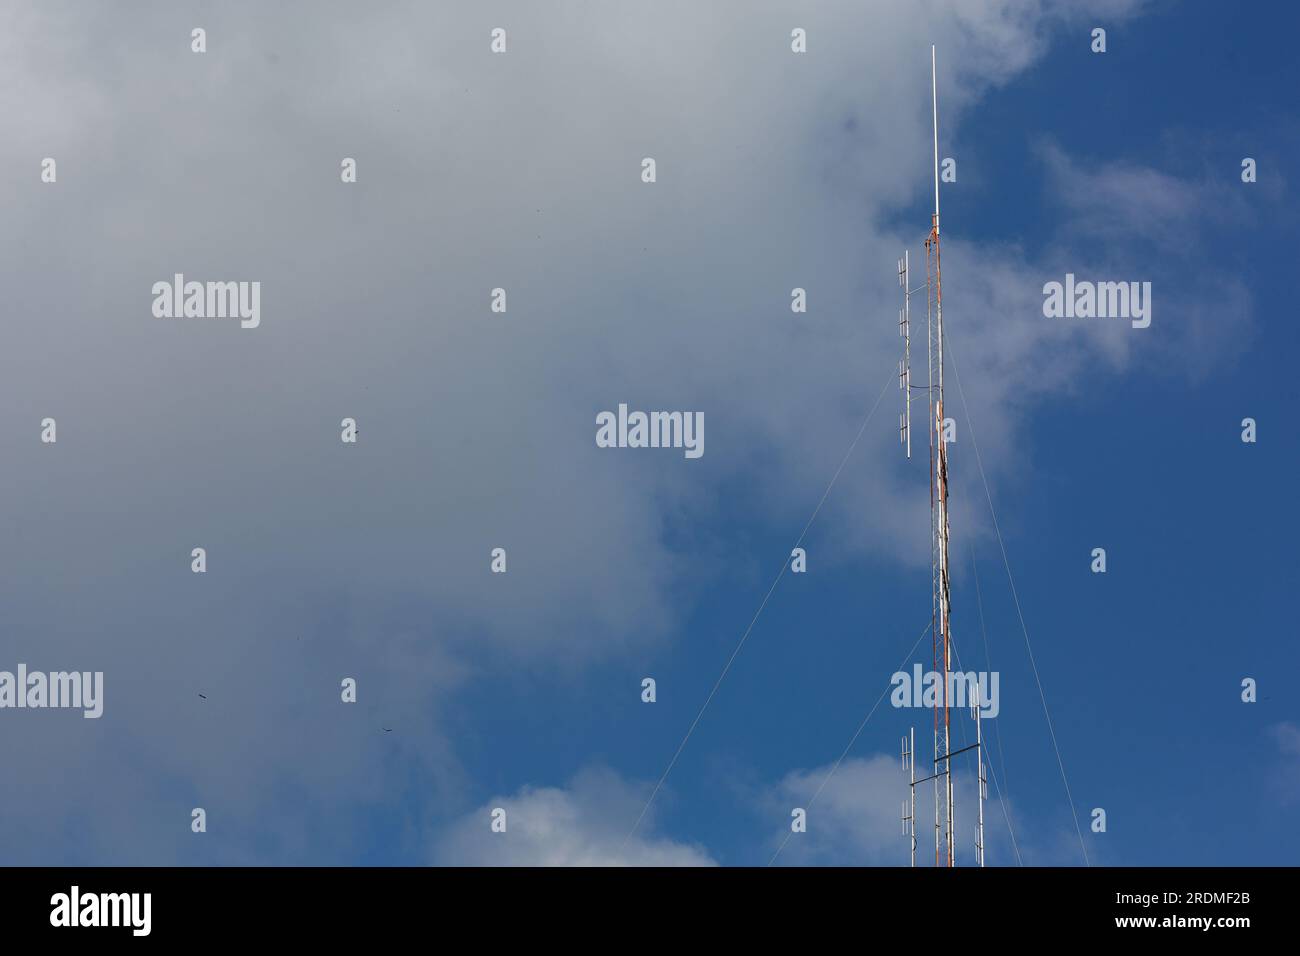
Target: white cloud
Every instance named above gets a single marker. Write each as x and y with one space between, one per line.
853 820
583 824
854 817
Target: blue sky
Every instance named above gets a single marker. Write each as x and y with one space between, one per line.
1141 666
522 690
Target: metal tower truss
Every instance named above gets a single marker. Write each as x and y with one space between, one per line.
941 773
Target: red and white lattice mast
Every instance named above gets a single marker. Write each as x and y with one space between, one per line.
941 611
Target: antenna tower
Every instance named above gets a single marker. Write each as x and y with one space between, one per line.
940 608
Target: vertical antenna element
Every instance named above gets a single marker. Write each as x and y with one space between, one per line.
934 107
909 805
905 364
982 784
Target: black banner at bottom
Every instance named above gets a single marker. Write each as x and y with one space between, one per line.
334 905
